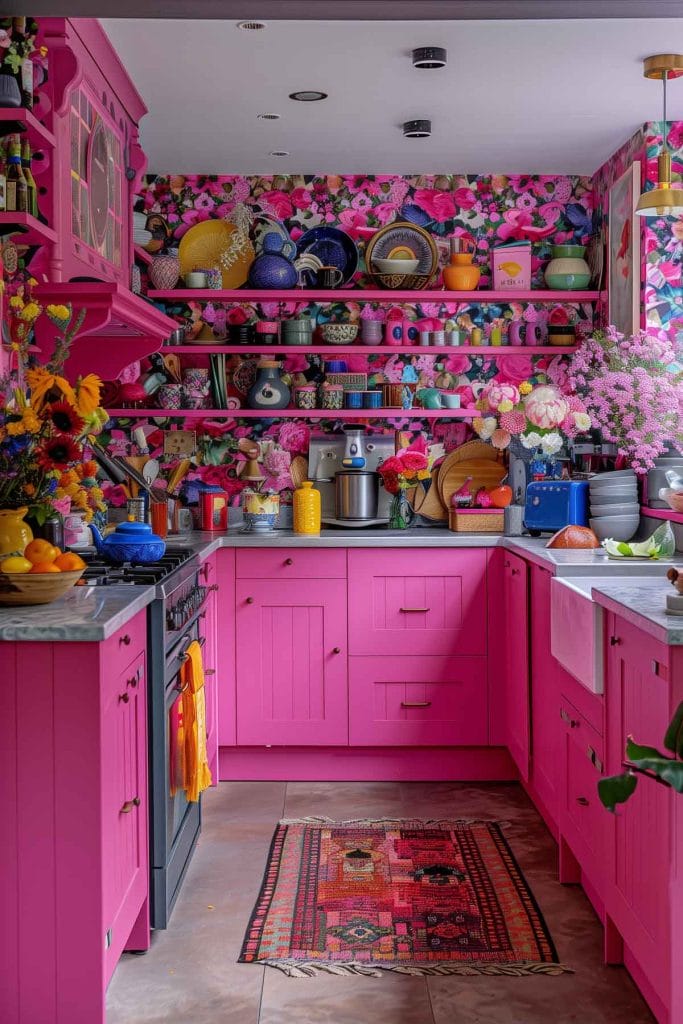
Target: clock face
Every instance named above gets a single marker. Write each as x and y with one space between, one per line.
100 171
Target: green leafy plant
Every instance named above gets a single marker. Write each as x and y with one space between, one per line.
666 769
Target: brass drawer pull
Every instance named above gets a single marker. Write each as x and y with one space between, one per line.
614 641
289 561
416 703
250 600
125 640
414 609
124 698
583 801
130 804
214 586
594 759
336 650
134 680
571 722
209 671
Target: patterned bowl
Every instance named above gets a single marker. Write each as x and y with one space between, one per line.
339 334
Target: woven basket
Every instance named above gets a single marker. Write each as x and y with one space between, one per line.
476 520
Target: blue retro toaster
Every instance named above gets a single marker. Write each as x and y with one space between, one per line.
552 504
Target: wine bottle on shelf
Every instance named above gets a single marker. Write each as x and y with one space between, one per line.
17 186
30 180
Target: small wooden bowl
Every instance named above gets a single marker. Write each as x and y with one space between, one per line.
25 588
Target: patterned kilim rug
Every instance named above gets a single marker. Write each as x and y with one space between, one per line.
417 897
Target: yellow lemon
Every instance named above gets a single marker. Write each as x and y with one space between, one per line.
16 563
511 268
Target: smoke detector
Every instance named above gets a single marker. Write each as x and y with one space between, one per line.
429 57
420 129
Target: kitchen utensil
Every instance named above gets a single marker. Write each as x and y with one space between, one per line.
356 494
354 399
213 508
76 532
620 528
272 270
130 542
305 396
332 396
195 279
217 243
613 498
271 236
450 399
485 473
552 504
474 449
23 588
260 511
298 470
333 247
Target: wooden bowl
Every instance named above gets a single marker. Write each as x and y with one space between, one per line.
24 588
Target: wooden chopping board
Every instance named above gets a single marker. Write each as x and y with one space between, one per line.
474 449
484 472
429 504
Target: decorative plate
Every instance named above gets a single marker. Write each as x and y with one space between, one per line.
402 240
333 247
217 243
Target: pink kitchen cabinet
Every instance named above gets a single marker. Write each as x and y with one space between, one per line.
73 781
291 662
404 701
639 703
515 662
225 646
545 677
422 602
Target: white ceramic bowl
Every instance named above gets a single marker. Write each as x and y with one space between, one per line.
617 509
611 480
613 495
613 474
615 527
396 266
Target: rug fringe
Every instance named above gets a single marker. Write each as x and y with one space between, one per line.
399 822
310 968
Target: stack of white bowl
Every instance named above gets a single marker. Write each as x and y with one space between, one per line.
141 235
614 506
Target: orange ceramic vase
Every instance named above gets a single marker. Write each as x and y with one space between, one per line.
461 275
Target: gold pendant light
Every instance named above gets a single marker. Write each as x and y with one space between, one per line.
663 201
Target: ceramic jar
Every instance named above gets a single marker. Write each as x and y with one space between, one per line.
164 272
305 396
259 510
15 534
269 392
332 396
307 509
461 275
567 270
170 396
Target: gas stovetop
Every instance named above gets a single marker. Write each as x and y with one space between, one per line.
100 573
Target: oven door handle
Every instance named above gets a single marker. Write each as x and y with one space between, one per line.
201 640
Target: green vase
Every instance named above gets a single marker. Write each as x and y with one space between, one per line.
400 512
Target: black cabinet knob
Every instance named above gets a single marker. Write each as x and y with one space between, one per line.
250 600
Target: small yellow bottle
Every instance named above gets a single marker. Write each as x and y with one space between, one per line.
307 509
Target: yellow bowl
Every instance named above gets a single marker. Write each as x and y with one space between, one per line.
24 588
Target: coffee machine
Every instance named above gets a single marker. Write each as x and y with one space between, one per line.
354 457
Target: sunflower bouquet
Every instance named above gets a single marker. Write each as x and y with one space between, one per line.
45 424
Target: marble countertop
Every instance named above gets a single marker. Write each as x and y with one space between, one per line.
85 613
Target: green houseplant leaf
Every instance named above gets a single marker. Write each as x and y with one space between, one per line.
616 789
649 759
673 740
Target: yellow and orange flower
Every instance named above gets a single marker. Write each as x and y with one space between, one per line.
65 419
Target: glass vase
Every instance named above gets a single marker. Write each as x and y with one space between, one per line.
400 512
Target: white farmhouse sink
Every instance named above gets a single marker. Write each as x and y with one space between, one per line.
576 634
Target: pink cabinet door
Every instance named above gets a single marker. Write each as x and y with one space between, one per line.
291 662
638 704
207 630
403 701
225 645
417 602
545 695
515 661
580 763
125 807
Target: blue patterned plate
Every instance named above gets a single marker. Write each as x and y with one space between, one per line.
333 247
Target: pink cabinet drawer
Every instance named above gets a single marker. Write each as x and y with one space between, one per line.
417 602
290 563
403 701
584 823
124 645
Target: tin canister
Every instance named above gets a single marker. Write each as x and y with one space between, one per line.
213 509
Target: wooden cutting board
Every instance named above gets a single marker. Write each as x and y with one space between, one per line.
429 505
474 449
484 472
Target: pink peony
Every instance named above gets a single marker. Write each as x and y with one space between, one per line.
497 392
545 407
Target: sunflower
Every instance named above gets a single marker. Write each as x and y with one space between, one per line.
58 452
46 387
88 393
65 419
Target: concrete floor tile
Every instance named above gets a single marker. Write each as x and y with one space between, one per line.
344 1000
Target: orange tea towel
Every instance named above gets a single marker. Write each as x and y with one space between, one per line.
197 773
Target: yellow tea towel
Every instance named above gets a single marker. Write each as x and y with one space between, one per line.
197 773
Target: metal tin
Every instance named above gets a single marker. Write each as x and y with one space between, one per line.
356 494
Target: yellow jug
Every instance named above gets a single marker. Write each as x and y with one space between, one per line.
15 534
307 509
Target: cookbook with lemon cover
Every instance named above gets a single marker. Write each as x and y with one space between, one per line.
512 266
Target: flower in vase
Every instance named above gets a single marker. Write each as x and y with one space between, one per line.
551 443
58 452
500 438
484 427
64 418
531 440
513 422
545 407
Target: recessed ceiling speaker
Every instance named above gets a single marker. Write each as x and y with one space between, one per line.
420 129
429 57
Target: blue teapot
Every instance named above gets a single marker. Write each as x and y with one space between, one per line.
130 542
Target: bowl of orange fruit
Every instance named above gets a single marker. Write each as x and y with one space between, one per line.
41 575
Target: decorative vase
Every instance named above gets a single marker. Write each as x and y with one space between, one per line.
567 270
15 534
461 275
400 512
271 270
164 272
269 392
307 509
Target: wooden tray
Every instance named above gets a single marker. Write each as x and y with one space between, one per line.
484 472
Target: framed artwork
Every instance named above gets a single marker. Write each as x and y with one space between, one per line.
624 252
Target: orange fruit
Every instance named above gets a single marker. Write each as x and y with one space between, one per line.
40 550
45 567
69 562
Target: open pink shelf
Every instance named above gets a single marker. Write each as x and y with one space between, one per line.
367 295
384 350
303 414
142 255
662 513
19 119
25 223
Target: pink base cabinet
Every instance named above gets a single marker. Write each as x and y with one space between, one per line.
73 777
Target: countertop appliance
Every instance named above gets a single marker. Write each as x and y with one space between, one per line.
552 504
174 620
326 454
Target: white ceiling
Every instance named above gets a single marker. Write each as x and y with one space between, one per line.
517 96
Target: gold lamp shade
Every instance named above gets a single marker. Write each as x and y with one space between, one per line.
663 201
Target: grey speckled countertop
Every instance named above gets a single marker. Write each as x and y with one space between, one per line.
85 613
94 613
